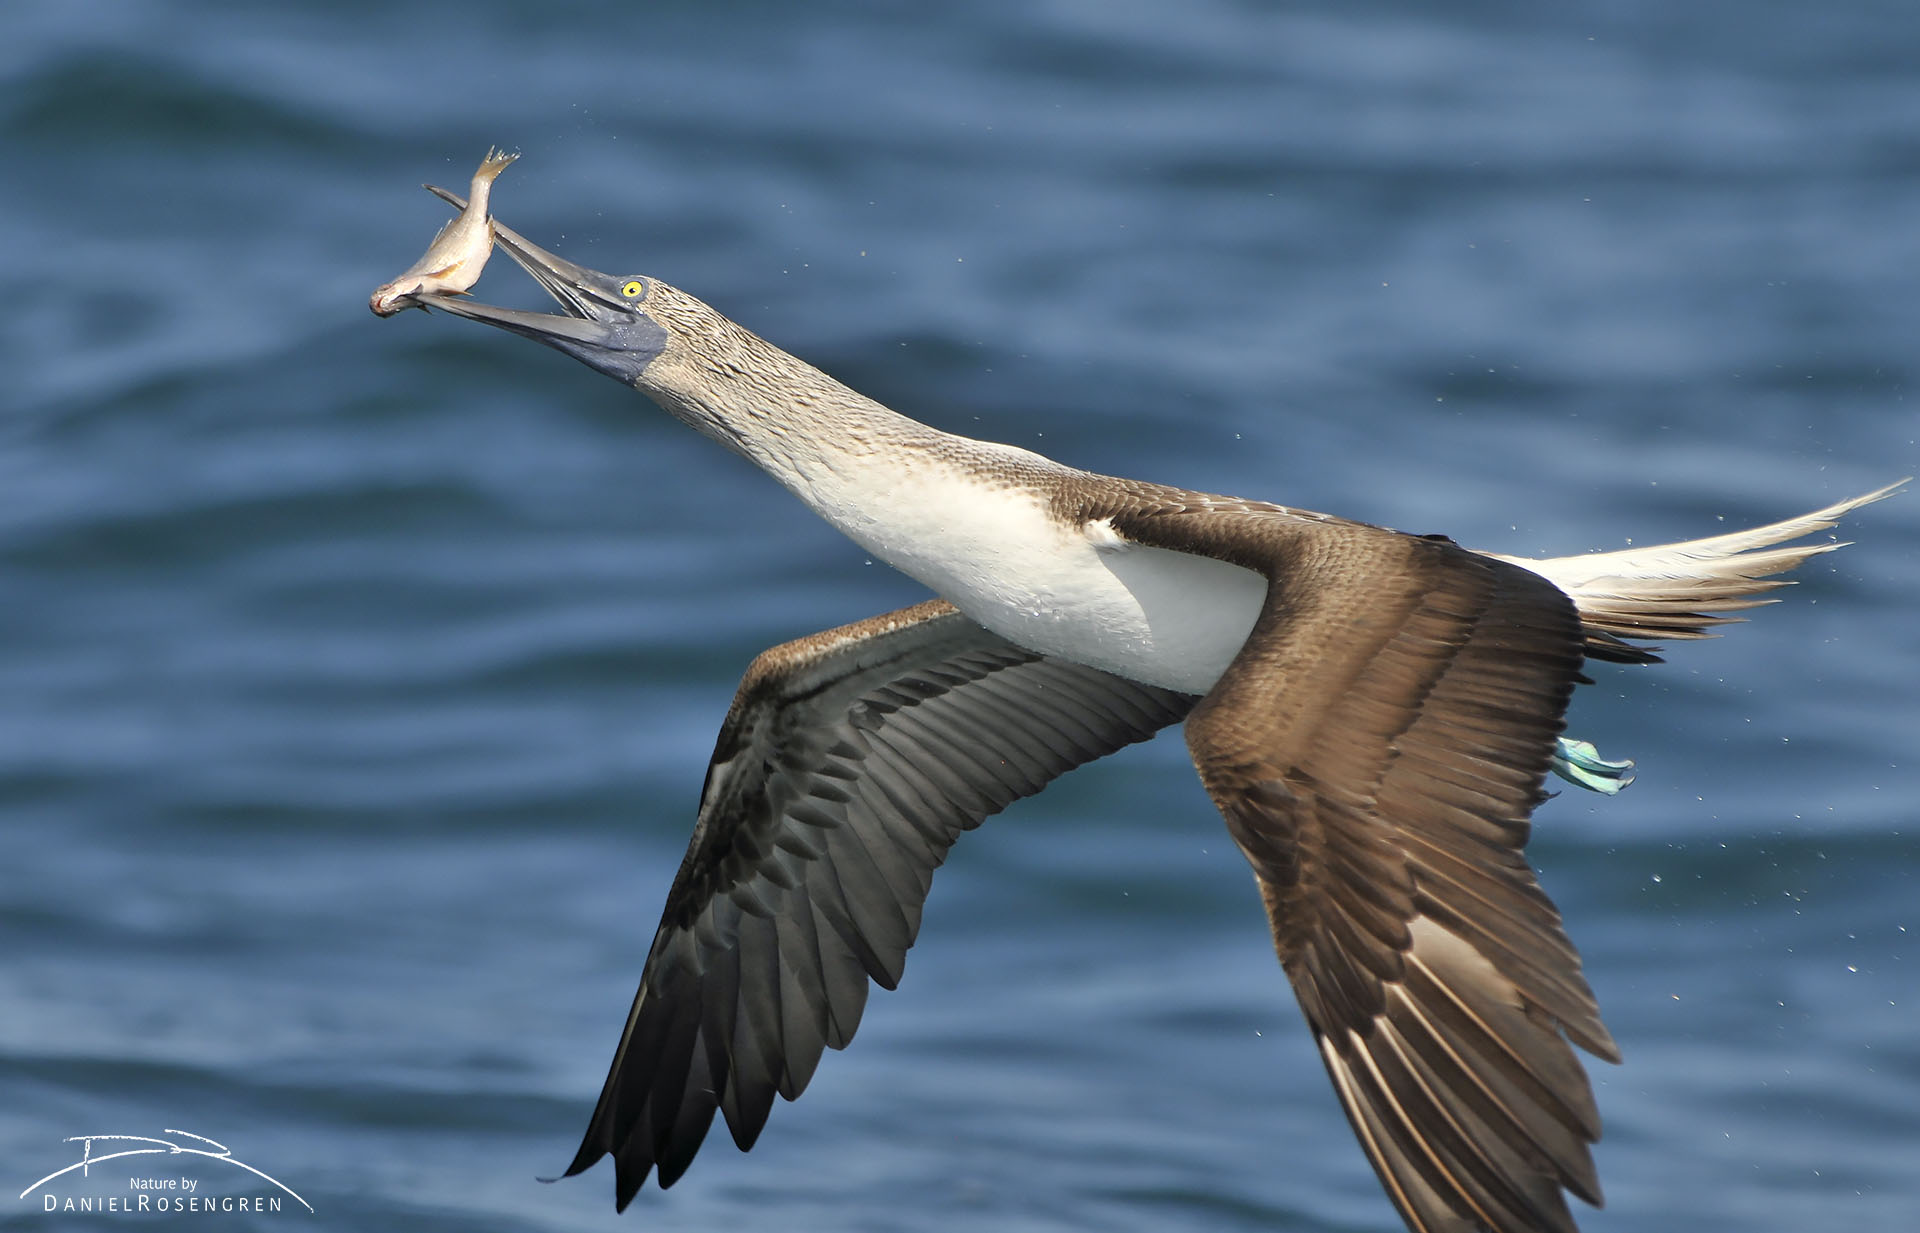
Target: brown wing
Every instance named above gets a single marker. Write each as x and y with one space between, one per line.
1376 748
847 766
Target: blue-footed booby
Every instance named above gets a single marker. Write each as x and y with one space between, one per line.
1372 712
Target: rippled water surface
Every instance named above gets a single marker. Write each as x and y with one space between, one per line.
357 677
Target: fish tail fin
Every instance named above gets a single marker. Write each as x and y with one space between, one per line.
496 162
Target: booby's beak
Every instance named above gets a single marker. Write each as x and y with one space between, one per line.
597 324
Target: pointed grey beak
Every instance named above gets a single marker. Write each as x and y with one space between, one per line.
550 328
596 325
581 292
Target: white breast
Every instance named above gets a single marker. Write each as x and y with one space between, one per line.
1081 593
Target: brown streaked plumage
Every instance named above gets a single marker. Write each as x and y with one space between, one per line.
1373 713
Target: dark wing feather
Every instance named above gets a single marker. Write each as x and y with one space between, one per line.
1376 748
847 766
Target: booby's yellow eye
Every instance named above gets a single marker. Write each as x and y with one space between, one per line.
634 289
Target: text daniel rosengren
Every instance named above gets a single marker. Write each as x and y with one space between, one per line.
145 1201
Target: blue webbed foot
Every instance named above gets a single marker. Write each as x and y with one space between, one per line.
1578 762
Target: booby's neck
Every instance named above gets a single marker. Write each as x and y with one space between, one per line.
992 528
795 422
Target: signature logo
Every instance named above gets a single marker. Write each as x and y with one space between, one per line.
172 1193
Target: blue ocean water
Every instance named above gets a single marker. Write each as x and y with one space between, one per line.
357 677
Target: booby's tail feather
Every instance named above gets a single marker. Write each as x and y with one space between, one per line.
1682 590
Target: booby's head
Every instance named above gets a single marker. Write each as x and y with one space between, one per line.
606 321
703 369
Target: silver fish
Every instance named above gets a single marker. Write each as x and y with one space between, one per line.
457 255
